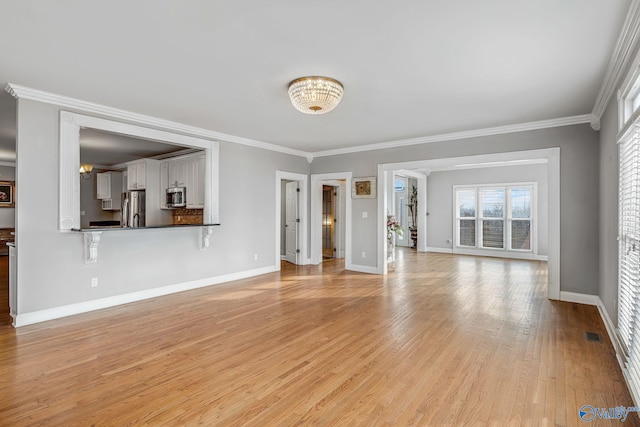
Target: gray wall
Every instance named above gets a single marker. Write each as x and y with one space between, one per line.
440 198
51 269
7 215
579 181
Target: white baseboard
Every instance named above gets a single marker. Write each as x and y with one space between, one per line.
84 307
611 328
496 253
617 346
440 250
579 298
283 257
362 268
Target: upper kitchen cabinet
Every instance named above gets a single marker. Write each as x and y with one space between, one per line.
178 173
195 183
188 172
108 190
137 175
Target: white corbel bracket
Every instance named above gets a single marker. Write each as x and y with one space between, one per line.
205 232
91 241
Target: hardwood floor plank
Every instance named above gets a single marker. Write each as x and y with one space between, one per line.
443 340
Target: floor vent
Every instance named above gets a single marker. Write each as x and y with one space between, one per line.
592 336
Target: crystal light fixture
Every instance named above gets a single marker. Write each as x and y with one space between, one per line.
315 95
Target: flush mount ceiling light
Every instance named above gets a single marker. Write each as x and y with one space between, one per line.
315 95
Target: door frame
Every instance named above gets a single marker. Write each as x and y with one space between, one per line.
303 183
552 156
339 231
317 180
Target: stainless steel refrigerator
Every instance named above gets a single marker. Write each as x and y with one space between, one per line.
133 209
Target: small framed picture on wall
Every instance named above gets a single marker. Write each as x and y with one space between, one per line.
363 188
7 194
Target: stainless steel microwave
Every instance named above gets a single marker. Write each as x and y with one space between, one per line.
176 197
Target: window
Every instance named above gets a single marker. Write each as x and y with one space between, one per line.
496 217
629 251
466 217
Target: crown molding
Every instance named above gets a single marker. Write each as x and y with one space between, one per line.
21 92
620 58
498 130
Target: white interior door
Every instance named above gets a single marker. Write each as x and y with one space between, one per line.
291 222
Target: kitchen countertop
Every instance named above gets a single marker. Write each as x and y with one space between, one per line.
114 228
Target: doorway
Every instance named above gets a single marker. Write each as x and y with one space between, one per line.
330 217
329 194
550 156
291 221
401 195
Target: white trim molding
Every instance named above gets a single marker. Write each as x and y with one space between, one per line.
611 327
98 304
440 250
618 347
498 130
553 228
363 269
579 298
69 197
21 92
317 181
620 58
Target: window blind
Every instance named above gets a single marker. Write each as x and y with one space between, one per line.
629 253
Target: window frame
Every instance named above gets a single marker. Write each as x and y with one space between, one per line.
507 218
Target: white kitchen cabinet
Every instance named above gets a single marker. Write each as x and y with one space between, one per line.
195 182
108 186
184 171
178 173
103 186
164 183
136 176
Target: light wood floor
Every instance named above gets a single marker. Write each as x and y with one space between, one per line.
443 340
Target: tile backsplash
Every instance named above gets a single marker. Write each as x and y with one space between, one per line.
187 216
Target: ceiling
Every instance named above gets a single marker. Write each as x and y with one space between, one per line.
410 69
102 148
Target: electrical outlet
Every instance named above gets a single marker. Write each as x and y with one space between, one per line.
94 282
364 255
365 214
255 257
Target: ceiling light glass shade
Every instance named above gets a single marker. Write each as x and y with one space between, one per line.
315 95
86 168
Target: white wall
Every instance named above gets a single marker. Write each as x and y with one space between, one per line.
7 215
579 151
440 198
51 268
